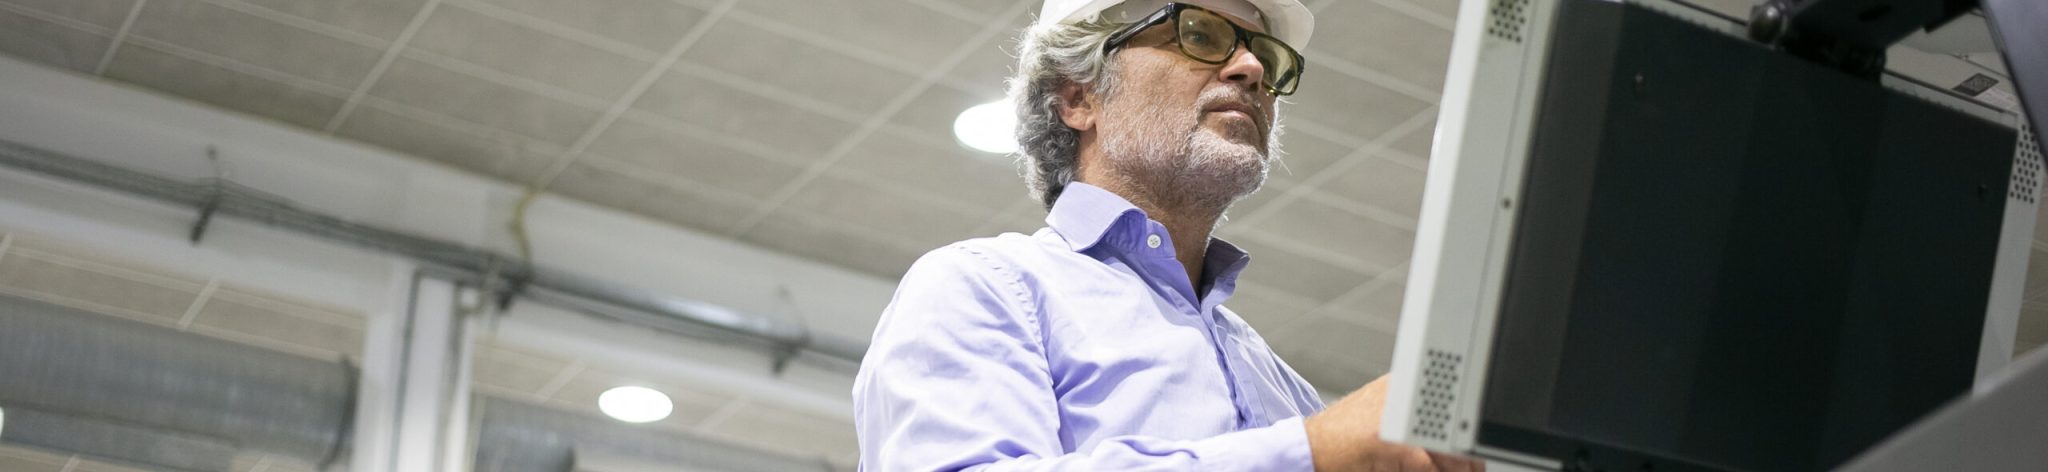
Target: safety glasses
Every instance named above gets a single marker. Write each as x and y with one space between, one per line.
1209 38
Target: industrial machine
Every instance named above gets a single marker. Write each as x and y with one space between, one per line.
1659 237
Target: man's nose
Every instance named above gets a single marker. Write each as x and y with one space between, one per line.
1243 68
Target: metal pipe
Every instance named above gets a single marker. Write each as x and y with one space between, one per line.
91 384
474 265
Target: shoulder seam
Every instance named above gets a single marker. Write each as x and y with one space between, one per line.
1018 293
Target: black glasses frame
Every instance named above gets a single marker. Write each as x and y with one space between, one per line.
1283 82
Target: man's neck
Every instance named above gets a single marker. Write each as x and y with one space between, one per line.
1189 223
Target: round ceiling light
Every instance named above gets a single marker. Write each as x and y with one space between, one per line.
988 127
635 404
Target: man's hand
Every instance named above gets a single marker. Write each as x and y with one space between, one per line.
1345 437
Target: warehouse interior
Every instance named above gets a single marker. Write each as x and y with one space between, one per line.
711 199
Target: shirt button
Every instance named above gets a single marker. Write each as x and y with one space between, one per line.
1152 241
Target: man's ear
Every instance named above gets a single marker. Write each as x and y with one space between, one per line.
1077 106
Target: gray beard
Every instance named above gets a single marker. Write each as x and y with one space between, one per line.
1167 155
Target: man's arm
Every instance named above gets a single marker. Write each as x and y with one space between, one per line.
956 378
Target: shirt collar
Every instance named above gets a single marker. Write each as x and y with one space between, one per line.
1085 214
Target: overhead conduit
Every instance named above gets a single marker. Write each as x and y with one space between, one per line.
510 275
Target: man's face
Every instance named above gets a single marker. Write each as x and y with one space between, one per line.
1203 131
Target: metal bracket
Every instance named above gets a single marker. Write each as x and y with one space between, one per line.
206 213
1850 35
781 355
212 201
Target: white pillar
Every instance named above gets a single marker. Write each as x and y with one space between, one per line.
413 409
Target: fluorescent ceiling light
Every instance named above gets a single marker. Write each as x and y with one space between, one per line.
988 127
635 404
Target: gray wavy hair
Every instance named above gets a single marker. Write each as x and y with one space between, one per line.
1050 56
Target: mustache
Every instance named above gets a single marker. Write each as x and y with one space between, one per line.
1237 98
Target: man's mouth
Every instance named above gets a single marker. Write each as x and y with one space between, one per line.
1233 109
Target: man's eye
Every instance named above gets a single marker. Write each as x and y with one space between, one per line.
1198 38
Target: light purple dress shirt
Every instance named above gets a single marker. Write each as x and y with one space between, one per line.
1081 347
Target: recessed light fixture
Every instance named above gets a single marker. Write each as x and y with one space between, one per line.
634 404
988 127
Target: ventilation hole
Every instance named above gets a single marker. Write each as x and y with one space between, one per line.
1507 20
2026 180
1438 392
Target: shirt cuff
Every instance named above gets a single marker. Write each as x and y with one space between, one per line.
1281 447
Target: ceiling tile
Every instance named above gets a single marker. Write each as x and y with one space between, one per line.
913 34
2033 329
721 109
1333 355
102 13
988 181
11 462
251 461
235 35
798 68
916 222
280 324
484 151
378 18
1312 279
50 43
1384 40
1330 230
701 161
1265 308
97 466
1303 156
602 186
931 114
692 403
1447 8
977 10
447 92
985 70
105 291
299 309
1025 216
1417 144
648 196
1378 306
514 370
221 87
1266 195
831 242
528 53
1352 106
654 25
789 432
1378 182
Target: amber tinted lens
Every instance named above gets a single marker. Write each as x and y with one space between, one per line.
1205 36
1283 67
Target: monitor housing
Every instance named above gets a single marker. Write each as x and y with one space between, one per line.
1648 241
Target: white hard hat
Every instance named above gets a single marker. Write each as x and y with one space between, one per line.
1288 20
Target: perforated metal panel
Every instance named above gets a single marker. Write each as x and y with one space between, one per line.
1433 409
2026 172
1506 19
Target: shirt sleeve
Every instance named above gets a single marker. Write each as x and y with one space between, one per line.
956 379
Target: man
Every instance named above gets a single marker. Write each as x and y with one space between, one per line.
1100 342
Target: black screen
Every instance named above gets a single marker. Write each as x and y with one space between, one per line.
1728 258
